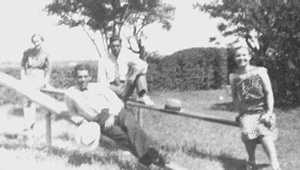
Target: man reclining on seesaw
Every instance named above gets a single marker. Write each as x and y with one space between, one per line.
99 104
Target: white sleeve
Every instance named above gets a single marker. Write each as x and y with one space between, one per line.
123 67
77 105
69 102
114 102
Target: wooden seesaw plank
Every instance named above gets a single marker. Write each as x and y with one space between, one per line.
43 99
188 114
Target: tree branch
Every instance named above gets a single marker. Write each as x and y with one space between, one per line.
93 41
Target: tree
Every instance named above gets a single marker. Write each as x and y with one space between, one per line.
271 29
162 14
106 18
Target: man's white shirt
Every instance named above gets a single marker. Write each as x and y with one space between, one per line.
91 101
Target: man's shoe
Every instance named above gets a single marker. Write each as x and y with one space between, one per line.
173 166
160 161
152 156
145 99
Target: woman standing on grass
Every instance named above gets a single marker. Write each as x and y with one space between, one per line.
253 98
35 71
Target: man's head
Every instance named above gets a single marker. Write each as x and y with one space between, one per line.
82 76
115 44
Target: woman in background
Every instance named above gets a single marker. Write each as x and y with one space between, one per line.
253 98
35 72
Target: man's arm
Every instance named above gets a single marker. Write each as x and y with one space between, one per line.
78 106
114 102
24 64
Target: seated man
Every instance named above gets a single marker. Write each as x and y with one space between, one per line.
97 103
124 73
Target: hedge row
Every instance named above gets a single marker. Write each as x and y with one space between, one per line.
191 69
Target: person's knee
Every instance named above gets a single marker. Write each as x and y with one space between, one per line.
247 141
267 139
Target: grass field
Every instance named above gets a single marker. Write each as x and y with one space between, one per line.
192 143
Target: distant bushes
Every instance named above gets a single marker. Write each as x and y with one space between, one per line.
62 75
191 69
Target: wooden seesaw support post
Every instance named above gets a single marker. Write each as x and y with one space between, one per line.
51 104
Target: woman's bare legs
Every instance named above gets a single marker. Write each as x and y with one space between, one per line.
270 149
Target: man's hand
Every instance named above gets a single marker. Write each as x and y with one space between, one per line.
110 121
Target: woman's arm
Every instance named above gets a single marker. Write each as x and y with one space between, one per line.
24 65
269 97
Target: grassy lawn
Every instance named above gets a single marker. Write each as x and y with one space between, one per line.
193 144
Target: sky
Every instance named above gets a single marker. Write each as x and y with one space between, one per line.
21 18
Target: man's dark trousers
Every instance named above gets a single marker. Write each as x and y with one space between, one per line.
126 132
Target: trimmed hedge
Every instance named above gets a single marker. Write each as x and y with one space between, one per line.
62 75
190 69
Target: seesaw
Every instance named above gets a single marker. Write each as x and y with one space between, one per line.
53 105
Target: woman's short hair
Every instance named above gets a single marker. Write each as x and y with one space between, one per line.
37 35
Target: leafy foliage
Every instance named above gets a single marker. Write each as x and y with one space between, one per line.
109 16
190 69
162 14
271 29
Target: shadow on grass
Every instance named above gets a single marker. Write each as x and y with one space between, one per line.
228 162
75 157
227 106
